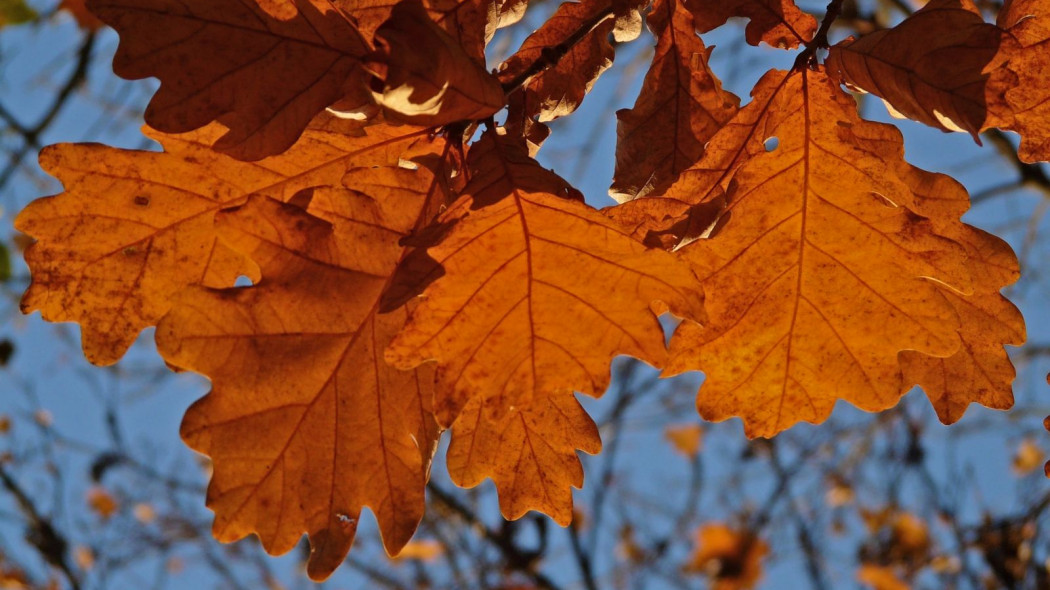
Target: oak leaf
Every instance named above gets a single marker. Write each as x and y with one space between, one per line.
1028 101
822 276
980 371
270 67
470 22
529 452
731 558
942 66
680 106
427 78
563 80
305 420
779 23
520 267
134 227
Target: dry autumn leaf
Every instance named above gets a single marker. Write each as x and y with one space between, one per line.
1028 101
426 77
1028 457
561 84
540 473
680 99
134 227
270 66
520 267
304 418
470 22
819 318
731 558
777 22
942 66
685 438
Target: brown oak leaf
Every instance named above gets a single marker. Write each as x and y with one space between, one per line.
424 76
1028 101
942 66
566 79
779 23
305 419
268 67
680 106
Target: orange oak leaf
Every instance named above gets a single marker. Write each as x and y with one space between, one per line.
680 106
1028 101
529 452
779 23
732 558
941 66
262 69
980 371
134 227
304 419
426 77
564 80
519 270
822 275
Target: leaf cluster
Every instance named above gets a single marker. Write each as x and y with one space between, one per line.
414 269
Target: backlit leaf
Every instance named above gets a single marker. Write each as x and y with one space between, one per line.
305 419
269 67
529 452
134 227
428 79
1028 101
521 268
779 23
559 89
941 66
680 106
823 274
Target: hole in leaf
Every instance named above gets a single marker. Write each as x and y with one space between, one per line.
771 143
243 281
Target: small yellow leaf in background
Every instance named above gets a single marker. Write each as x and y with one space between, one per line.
839 492
731 558
102 502
144 513
1028 457
424 550
879 577
687 439
628 549
5 424
84 557
910 533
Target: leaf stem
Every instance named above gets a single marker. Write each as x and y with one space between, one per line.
808 57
